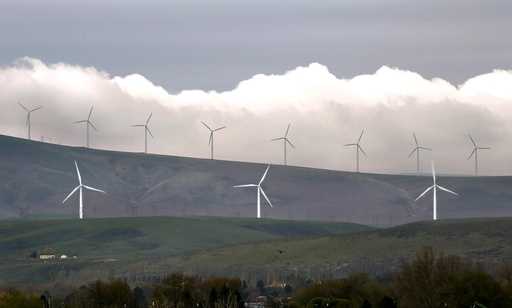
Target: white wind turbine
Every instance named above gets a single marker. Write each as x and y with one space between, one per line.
29 113
417 149
435 187
87 124
475 152
358 148
210 140
146 131
285 142
80 187
259 191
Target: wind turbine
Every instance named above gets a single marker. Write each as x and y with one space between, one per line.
475 153
435 187
87 124
358 148
259 191
285 142
417 149
29 113
80 187
210 141
146 131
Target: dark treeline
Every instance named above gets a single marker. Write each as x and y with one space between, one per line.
430 280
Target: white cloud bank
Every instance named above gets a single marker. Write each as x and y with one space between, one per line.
325 112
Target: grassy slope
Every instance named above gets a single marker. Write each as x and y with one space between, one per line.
132 240
377 251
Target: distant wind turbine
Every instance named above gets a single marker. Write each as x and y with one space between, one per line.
80 187
29 113
286 141
87 124
358 148
475 152
259 192
435 187
210 140
417 149
146 131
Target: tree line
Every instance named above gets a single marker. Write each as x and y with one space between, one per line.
430 280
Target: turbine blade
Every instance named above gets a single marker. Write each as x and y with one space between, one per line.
139 125
71 193
90 113
265 196
149 118
423 193
246 185
362 151
471 155
287 130
92 125
264 175
472 140
78 173
361 136
149 131
486 148
350 144
22 106
415 139
433 171
37 108
275 139
289 142
219 128
82 121
206 126
447 190
412 152
94 189
424 148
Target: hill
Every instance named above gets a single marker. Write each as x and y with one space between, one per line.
378 252
113 245
35 177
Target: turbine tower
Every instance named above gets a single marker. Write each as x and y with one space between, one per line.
435 187
475 152
285 142
358 148
417 149
29 113
87 124
80 187
210 141
259 192
146 131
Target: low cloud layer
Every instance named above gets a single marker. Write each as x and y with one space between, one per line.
325 111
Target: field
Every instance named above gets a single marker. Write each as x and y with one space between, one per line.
112 245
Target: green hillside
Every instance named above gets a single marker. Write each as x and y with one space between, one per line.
127 241
379 252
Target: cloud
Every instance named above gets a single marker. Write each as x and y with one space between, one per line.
325 111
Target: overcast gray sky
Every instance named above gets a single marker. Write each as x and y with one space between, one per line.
212 45
331 68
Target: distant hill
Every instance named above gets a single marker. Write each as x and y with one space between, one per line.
35 177
114 245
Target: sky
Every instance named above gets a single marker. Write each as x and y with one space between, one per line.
331 68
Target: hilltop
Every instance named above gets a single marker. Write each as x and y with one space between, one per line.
35 177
